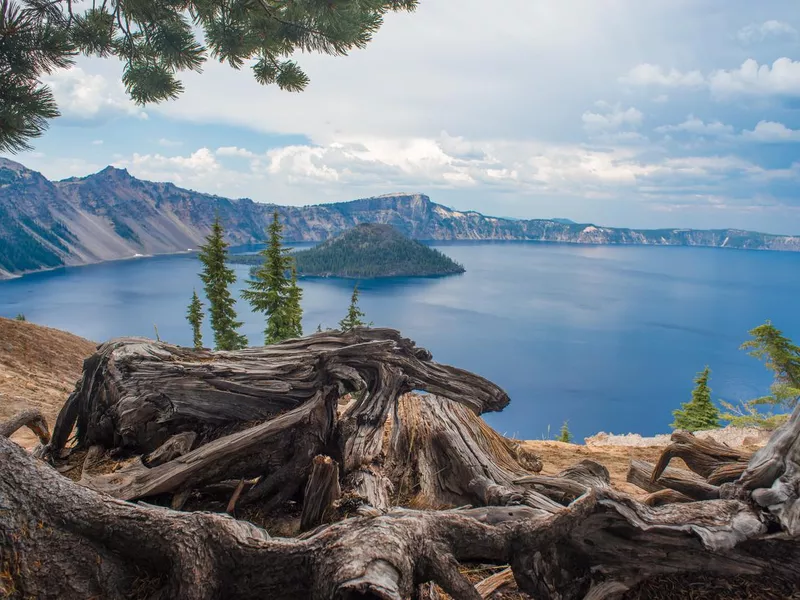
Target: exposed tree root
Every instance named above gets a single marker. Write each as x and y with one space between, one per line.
565 537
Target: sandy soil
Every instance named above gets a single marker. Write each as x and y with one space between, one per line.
557 456
38 368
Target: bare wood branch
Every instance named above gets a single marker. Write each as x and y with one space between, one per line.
31 418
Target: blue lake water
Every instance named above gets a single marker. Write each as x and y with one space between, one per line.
608 338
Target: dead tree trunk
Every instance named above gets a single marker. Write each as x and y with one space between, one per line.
253 421
61 540
322 490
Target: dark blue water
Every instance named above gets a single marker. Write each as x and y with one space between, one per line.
608 338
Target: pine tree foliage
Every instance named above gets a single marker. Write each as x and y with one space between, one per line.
294 309
157 39
374 250
195 317
273 292
217 277
564 435
782 357
699 413
355 316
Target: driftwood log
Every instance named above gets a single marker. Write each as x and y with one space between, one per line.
395 489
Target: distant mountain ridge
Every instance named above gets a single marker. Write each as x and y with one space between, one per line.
112 215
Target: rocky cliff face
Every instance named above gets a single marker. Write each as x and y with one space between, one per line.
112 215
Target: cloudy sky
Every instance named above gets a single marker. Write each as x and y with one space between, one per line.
620 112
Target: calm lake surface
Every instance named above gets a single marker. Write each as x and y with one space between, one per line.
608 338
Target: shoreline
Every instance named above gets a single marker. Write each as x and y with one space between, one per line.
7 276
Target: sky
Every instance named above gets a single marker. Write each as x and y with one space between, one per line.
665 113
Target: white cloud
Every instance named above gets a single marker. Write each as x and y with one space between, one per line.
97 142
234 151
352 168
611 119
783 77
648 74
199 168
770 131
85 96
696 126
758 32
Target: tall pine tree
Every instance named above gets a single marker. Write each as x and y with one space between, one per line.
272 292
699 413
195 317
217 276
295 311
355 316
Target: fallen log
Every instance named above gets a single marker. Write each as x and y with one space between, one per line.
641 474
703 456
136 393
61 540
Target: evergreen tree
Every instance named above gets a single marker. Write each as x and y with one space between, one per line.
195 317
217 276
782 357
271 292
699 413
295 311
155 40
355 315
564 435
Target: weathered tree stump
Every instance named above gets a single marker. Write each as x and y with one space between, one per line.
282 438
322 490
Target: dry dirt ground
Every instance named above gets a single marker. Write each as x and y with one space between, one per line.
38 368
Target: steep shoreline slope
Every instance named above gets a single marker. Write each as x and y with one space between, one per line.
38 368
111 215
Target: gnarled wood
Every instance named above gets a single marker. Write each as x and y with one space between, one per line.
603 543
703 456
687 483
31 418
178 445
322 490
566 537
491 584
136 393
773 475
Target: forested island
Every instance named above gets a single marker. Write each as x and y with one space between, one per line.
367 251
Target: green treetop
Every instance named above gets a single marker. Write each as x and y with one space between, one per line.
564 435
294 310
272 292
154 40
195 317
217 276
699 413
782 357
355 316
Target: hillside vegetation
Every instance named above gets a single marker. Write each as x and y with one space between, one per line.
367 251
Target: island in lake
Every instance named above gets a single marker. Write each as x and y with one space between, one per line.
368 251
